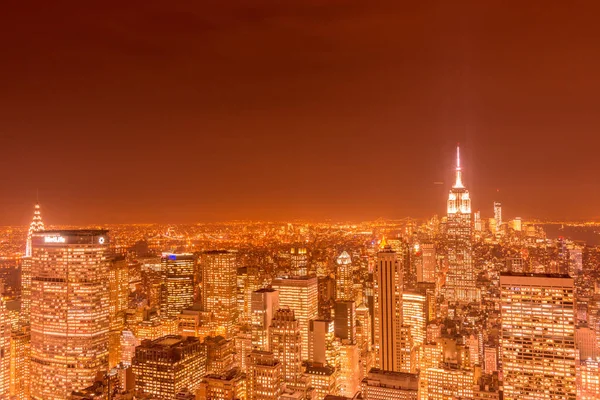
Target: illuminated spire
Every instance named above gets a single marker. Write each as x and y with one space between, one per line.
36 225
383 244
458 184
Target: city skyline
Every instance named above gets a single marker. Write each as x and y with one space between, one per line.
313 97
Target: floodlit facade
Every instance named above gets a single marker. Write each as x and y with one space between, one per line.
460 279
344 281
219 279
388 309
299 293
177 290
414 315
537 343
165 366
69 311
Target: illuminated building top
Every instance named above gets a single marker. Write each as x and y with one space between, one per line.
458 199
36 225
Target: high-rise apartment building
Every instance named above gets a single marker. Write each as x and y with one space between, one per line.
344 281
69 311
460 279
299 293
387 309
537 343
165 366
264 304
177 289
264 377
285 343
219 279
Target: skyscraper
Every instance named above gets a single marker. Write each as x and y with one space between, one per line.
264 304
69 311
219 279
344 281
285 343
37 225
429 262
164 366
537 342
301 295
460 280
177 289
299 261
345 321
387 309
118 303
498 214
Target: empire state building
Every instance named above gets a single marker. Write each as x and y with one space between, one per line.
460 280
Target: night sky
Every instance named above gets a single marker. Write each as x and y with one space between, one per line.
176 112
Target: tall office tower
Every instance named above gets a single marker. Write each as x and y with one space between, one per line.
20 353
285 344
219 275
264 304
344 281
299 261
387 309
537 343
414 316
301 295
264 378
498 214
69 311
429 262
363 325
219 354
5 354
322 346
177 290
517 224
164 366
460 280
118 280
248 282
345 321
381 384
243 347
37 225
477 224
350 370
228 386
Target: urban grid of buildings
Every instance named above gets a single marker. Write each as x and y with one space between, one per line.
457 307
